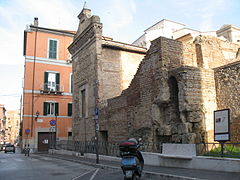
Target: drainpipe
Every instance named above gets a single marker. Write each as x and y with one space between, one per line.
34 64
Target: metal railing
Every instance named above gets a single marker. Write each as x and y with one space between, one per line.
229 150
104 148
56 88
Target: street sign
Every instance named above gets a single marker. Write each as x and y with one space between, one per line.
52 129
52 122
27 131
96 111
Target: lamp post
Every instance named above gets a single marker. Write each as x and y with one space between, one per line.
37 115
56 130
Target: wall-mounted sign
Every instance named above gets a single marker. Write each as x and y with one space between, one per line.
52 122
27 131
222 125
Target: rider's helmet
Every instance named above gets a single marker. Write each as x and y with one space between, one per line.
133 140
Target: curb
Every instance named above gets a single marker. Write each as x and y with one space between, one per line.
146 174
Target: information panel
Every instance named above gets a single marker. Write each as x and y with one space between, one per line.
222 125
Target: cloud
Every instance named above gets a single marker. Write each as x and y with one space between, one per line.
119 14
16 14
203 11
209 11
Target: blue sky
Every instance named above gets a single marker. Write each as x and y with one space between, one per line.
123 20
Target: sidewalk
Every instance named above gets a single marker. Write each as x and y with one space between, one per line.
155 172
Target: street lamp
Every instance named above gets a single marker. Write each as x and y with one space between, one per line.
37 115
56 131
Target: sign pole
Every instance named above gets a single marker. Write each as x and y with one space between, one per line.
56 132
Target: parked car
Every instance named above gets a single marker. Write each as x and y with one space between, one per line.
9 148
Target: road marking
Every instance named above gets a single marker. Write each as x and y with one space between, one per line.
44 158
81 175
3 161
20 160
94 174
33 159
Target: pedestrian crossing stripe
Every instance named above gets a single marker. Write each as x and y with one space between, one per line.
20 160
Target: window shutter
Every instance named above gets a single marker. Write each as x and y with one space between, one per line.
71 83
57 81
50 48
45 104
56 109
45 80
53 49
69 109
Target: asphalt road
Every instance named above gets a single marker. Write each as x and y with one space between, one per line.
35 167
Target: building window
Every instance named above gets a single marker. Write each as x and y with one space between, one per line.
51 81
52 49
83 100
69 109
50 108
71 83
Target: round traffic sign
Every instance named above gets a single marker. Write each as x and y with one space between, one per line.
53 122
27 131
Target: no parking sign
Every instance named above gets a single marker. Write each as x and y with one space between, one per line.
27 131
53 122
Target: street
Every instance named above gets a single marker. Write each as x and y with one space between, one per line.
14 166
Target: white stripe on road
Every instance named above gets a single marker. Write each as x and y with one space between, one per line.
20 160
44 158
95 173
82 175
33 159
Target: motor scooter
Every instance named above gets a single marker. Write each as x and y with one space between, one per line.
132 161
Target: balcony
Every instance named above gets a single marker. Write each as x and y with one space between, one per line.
46 88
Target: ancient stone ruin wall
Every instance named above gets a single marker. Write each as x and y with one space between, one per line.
228 92
208 52
213 52
189 54
164 101
116 68
84 50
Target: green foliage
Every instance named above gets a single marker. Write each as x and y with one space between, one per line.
230 151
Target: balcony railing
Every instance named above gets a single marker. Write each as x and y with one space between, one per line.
47 89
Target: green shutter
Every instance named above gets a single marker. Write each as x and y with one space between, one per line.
71 83
45 80
57 81
56 109
53 49
45 104
69 109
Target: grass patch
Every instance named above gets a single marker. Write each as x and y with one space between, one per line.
230 151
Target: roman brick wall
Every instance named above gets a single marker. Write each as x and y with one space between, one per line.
116 69
189 54
228 93
85 50
165 101
146 107
84 78
103 68
213 52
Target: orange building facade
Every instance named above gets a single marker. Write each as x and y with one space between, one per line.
47 91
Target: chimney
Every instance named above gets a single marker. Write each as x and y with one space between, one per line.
35 21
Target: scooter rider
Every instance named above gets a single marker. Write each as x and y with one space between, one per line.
138 153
